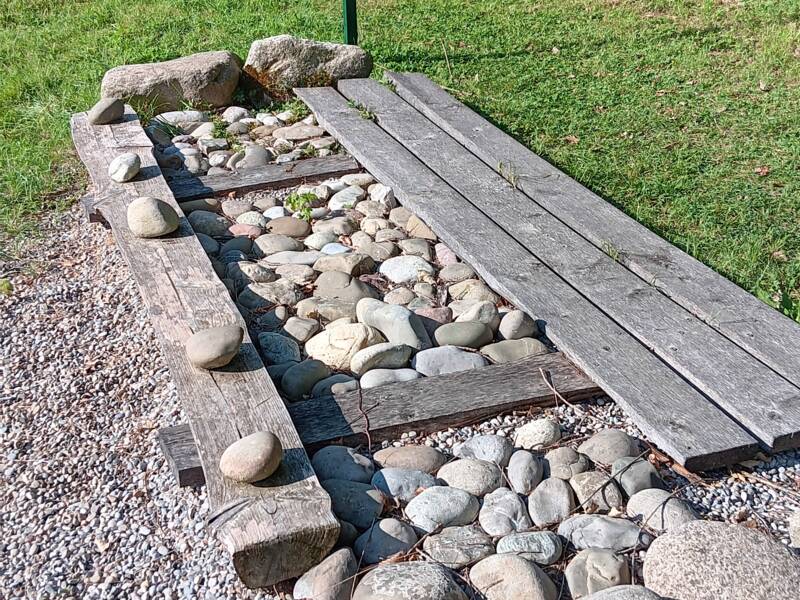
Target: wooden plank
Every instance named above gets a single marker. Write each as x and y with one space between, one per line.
668 409
276 529
760 399
427 404
743 318
179 448
307 170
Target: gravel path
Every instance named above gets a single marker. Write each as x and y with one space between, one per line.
90 510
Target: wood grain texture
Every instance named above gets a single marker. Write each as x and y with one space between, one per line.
673 414
423 405
740 316
278 528
180 450
760 399
307 170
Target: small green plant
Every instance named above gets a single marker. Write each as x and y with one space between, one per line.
308 151
611 250
296 106
781 299
6 289
509 173
363 111
300 204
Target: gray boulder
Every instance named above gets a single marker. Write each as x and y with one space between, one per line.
541 547
491 448
510 577
385 538
608 445
379 377
706 560
565 463
457 547
151 217
414 580
551 502
441 506
397 323
591 571
635 474
503 512
596 492
478 477
282 62
300 378
659 510
207 78
625 592
402 485
214 347
524 472
341 462
600 531
354 502
277 348
330 579
446 359
421 458
107 110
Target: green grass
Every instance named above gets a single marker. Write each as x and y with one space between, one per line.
683 113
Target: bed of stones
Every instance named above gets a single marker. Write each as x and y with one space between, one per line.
233 139
356 291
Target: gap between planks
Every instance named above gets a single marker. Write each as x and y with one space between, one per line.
428 404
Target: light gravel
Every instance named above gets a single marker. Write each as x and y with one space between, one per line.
88 508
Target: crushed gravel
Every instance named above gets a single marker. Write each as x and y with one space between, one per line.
88 508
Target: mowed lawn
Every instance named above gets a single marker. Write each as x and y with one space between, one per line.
683 113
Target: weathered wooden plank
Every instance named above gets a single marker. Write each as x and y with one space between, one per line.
753 325
668 409
308 170
760 399
179 448
276 529
427 404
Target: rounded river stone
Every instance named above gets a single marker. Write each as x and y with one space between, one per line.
214 347
409 581
252 458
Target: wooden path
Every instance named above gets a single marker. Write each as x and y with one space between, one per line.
703 395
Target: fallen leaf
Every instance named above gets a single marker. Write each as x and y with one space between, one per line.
102 545
572 139
779 255
764 86
555 50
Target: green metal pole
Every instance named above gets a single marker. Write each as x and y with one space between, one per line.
350 22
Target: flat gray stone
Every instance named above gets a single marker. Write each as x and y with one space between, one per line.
293 257
385 538
335 248
326 386
296 228
299 379
524 471
491 448
272 320
277 348
659 510
441 506
601 531
541 547
336 347
399 295
301 330
458 547
421 458
608 445
538 434
705 560
107 110
150 217
516 324
355 502
354 264
398 324
317 241
503 512
379 377
347 198
564 463
402 485
406 269
510 350
330 579
634 474
380 356
446 359
209 223
596 492
252 458
273 243
625 592
478 477
474 290
409 581
214 347
464 334
341 462
124 167
482 312
551 502
456 273
326 309
342 286
259 295
510 577
595 570
335 225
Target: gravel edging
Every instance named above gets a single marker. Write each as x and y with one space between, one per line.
90 510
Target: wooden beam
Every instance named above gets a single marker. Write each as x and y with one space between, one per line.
179 448
423 405
754 395
283 526
743 318
673 414
307 170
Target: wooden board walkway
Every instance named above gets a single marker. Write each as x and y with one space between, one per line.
760 399
272 532
426 404
688 386
762 331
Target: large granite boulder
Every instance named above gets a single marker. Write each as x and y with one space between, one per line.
705 560
207 78
282 62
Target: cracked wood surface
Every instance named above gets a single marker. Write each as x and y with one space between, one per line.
670 411
274 529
